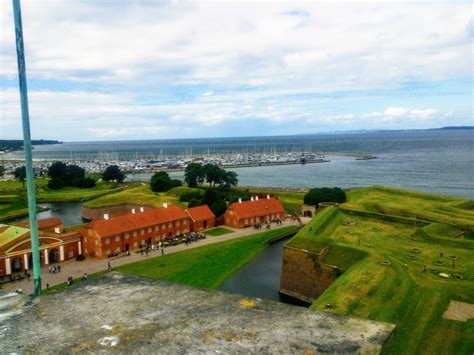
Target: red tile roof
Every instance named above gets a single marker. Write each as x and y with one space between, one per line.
131 222
200 213
262 207
42 223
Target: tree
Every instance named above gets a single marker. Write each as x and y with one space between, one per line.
325 194
161 182
194 174
113 172
20 174
74 175
55 183
84 183
214 174
218 208
230 178
58 170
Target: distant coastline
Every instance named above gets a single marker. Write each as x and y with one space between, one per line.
11 145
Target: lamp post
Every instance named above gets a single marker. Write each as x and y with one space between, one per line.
30 177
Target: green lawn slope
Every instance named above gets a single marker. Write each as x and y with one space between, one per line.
402 292
206 266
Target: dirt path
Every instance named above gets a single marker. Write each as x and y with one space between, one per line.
76 269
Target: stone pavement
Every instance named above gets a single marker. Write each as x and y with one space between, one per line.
132 315
76 269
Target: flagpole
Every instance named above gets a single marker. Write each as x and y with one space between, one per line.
30 177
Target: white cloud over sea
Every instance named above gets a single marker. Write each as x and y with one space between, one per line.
141 69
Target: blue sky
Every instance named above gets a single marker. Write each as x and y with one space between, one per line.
109 70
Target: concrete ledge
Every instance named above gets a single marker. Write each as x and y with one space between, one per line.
127 314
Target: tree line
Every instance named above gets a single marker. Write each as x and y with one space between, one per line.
63 175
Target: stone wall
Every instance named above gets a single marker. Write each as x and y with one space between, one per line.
90 214
303 275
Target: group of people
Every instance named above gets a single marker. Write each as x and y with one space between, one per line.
267 224
186 238
54 269
147 249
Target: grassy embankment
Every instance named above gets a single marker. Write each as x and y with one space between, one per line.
13 198
217 231
140 194
401 293
207 266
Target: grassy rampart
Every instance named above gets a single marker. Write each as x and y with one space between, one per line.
407 290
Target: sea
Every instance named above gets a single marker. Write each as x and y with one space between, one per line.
438 161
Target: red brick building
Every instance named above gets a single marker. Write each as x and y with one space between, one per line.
201 218
254 211
15 247
105 237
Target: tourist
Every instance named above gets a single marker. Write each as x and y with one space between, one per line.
59 268
49 269
85 276
109 267
162 251
47 286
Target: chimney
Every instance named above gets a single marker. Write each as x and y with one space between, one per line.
268 197
57 230
106 216
251 198
256 198
165 204
133 210
240 200
142 209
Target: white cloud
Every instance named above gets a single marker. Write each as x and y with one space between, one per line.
145 69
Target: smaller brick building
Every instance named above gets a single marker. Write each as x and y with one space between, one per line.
201 218
254 211
106 237
52 224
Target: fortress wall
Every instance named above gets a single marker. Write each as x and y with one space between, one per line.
303 276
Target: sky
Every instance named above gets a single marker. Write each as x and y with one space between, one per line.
119 70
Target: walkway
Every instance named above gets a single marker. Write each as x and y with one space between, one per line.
76 269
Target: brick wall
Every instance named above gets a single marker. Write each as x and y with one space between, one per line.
303 276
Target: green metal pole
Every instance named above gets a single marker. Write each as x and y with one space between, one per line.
25 116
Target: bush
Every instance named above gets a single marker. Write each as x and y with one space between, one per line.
113 172
218 208
194 202
161 182
86 183
325 194
191 195
55 184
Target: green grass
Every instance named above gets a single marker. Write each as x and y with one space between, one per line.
400 293
424 206
206 266
215 232
139 195
178 191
